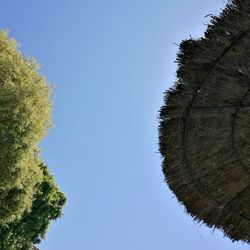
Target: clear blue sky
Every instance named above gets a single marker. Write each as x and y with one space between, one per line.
110 61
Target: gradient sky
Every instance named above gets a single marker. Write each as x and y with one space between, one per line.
110 62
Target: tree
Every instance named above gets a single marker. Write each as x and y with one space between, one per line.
31 228
29 198
24 119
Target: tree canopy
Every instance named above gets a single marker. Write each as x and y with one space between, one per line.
29 198
31 228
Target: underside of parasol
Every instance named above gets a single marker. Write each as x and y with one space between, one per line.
204 132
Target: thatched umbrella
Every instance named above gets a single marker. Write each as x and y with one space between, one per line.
204 133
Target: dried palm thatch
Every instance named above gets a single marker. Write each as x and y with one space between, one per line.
204 133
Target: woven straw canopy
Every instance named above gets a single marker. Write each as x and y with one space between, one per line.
204 133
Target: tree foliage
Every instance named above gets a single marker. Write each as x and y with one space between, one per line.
31 228
29 198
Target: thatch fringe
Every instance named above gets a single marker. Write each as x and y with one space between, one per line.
204 132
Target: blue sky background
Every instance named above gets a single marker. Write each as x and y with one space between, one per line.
110 62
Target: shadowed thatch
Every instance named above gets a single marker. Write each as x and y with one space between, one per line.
204 133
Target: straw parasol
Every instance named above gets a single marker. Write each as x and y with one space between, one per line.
204 132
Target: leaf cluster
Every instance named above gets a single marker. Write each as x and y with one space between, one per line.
31 228
29 197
